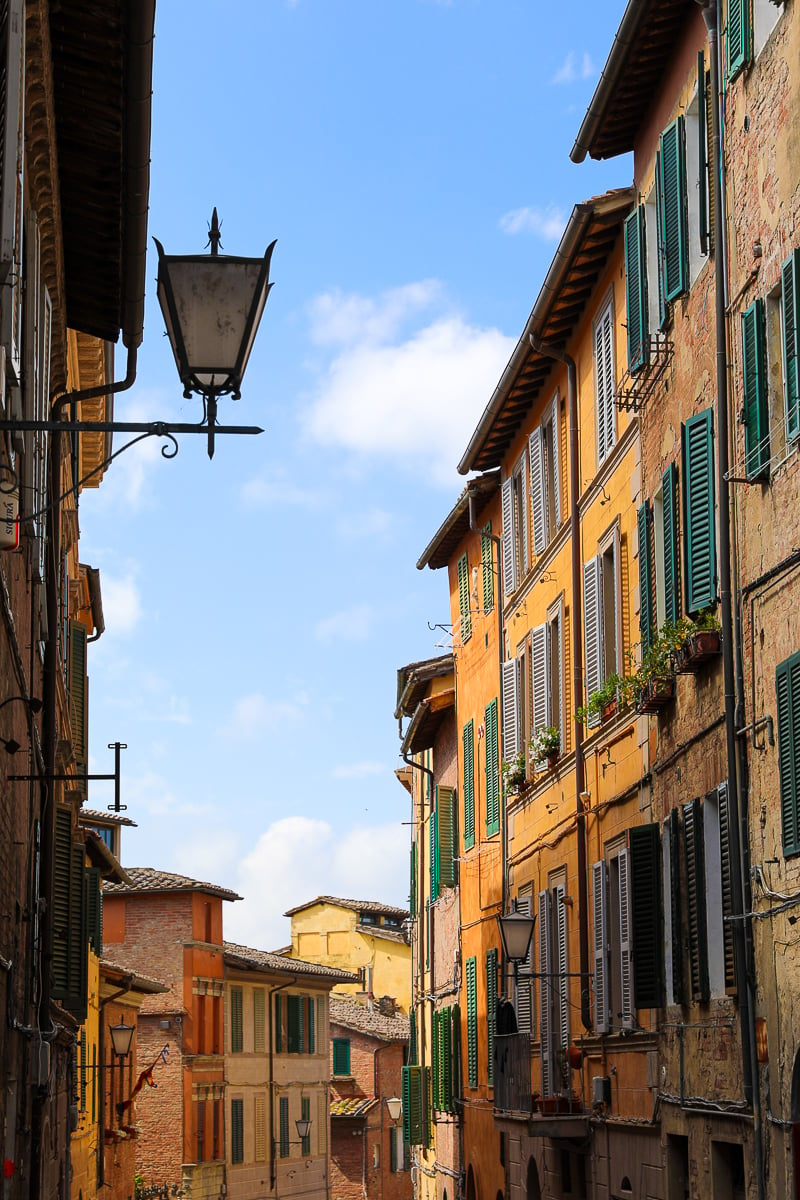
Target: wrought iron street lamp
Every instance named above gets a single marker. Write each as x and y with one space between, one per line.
395 1108
516 932
121 1038
303 1126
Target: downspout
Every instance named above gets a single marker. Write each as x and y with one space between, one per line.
273 1165
577 661
733 710
421 876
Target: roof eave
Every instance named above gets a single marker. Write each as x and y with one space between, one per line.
473 488
624 38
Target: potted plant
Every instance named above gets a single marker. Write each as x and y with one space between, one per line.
701 641
655 679
545 744
513 771
606 699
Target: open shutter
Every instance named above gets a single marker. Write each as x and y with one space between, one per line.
446 1068
647 944
436 1058
605 382
445 805
787 685
669 493
673 208
491 1010
472 1022
696 898
468 740
697 447
740 36
405 1096
726 869
76 1001
522 472
555 426
62 865
540 681
279 1024
412 890
464 598
12 110
546 993
524 979
562 956
78 698
492 771
509 540
663 309
487 566
511 744
538 489
237 1023
593 628
754 387
626 965
600 942
636 288
644 522
433 838
676 909
702 154
94 909
790 284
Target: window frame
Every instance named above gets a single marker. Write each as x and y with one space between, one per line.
340 1046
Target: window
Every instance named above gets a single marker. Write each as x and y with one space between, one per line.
740 36
341 1056
491 1010
492 771
443 840
523 987
283 1126
237 1025
554 985
787 685
200 1131
468 743
695 168
719 895
259 1041
443 1059
463 598
602 616
605 382
545 471
697 449
636 294
665 549
472 1022
237 1131
487 568
646 916
515 526
672 203
790 330
754 391
416 1108
294 1024
305 1114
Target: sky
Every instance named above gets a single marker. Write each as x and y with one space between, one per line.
412 159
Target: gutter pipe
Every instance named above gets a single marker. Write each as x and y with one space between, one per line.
577 661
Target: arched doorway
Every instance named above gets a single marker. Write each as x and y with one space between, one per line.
532 1189
471 1190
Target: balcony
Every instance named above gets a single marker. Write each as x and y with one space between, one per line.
559 1116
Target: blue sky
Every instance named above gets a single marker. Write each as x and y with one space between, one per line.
411 158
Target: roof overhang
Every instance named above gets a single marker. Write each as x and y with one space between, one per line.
629 82
584 249
455 526
101 857
426 722
413 679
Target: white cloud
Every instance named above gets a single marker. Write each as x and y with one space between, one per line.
210 857
255 713
547 223
588 70
350 625
340 319
571 69
122 607
276 489
415 400
372 523
359 770
152 793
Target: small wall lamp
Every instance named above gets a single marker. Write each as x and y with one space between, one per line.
395 1107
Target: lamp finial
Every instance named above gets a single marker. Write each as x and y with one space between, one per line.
214 235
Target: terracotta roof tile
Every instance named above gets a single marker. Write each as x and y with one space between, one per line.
352 1015
371 906
109 818
148 879
353 1106
248 959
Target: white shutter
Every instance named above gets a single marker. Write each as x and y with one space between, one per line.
523 509
593 627
563 966
524 983
604 371
546 992
12 85
555 646
509 541
600 935
556 429
626 966
510 709
538 490
540 683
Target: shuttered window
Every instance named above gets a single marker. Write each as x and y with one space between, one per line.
294 1025
492 771
237 1024
237 1130
445 825
509 539
70 959
279 1034
593 628
787 684
647 623
697 447
755 394
647 942
600 944
78 699
702 154
259 1040
491 1010
487 568
305 1113
524 976
740 36
472 1022
341 1056
414 1105
94 909
283 1125
433 848
260 1128
605 383
546 993
511 739
636 288
694 851
463 598
672 215
790 307
669 543
468 741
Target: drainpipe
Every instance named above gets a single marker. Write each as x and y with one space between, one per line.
421 877
738 816
273 1164
577 660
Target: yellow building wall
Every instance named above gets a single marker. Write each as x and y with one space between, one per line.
86 1137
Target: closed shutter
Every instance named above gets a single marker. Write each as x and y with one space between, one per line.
787 685
600 942
393 1150
645 881
455 1027
676 910
279 1024
260 1128
469 785
472 1022
78 695
702 154
726 881
433 839
237 1129
562 955
538 490
405 1096
464 599
487 565
509 539
492 771
740 36
283 1125
12 110
436 1052
605 383
491 1011
412 1039
62 866
511 745
426 1106
341 1056
669 494
555 425
237 1024
524 977
94 909
626 965
540 679
312 1025
445 811
790 284
673 209
446 1063
593 628
546 993
636 289
644 523
696 898
294 1024
412 888
305 1112
697 447
259 1039
77 998
754 387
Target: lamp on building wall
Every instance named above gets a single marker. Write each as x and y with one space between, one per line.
121 1038
395 1108
303 1126
516 932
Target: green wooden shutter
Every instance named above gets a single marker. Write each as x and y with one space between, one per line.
405 1096
468 740
279 1024
445 811
433 838
644 521
341 1056
78 966
78 696
697 447
412 892
305 1113
754 387
237 1129
455 1033
787 686
62 865
283 1125
669 500
663 308
294 1024
426 1106
636 289
491 1010
94 909
472 1022
392 1151
312 1032
702 153
488 569
446 1063
645 880
790 282
237 1022
259 1006
694 849
414 1106
672 163
412 1039
436 1059
492 771
463 598
740 36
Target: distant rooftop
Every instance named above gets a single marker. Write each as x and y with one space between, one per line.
135 980
352 1015
248 959
108 818
148 879
362 906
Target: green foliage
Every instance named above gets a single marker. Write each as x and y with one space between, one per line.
513 771
545 743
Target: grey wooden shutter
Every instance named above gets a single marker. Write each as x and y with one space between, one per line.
562 952
509 539
605 383
726 881
538 490
593 628
555 425
546 993
696 898
676 909
787 688
524 980
625 961
523 511
540 697
600 943
511 744
647 941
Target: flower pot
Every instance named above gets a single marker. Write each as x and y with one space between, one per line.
657 694
609 710
552 759
699 648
